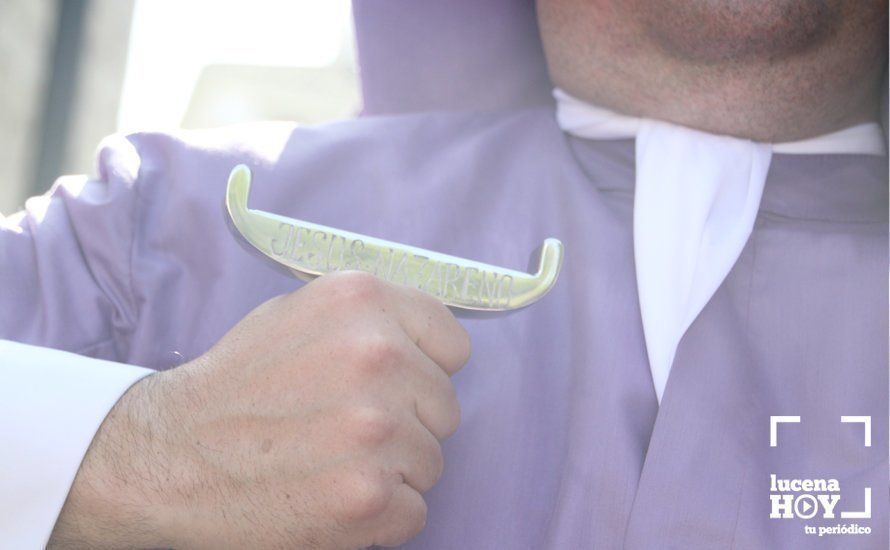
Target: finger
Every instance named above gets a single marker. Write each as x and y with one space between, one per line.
427 322
403 519
432 395
433 328
417 456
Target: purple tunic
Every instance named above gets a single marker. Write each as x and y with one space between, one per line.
562 443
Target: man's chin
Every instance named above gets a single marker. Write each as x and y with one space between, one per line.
709 31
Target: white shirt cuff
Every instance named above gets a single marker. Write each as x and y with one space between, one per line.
51 404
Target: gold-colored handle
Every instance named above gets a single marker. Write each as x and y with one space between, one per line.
310 250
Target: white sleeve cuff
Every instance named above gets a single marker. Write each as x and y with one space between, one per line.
51 404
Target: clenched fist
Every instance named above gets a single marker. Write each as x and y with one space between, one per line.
314 423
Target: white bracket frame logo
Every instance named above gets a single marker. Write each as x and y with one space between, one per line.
774 422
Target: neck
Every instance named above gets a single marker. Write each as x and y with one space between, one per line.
795 69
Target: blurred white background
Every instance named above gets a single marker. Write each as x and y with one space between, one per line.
73 71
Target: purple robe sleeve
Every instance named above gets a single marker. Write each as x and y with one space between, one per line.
65 260
64 283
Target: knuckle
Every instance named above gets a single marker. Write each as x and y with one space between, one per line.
355 287
377 352
366 499
371 426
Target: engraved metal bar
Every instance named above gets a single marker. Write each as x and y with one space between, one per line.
310 250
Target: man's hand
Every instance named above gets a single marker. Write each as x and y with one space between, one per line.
314 423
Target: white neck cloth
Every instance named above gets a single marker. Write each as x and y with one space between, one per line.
695 203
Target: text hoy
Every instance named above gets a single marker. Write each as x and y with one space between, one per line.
806 498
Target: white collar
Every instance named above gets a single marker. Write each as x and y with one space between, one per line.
586 120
